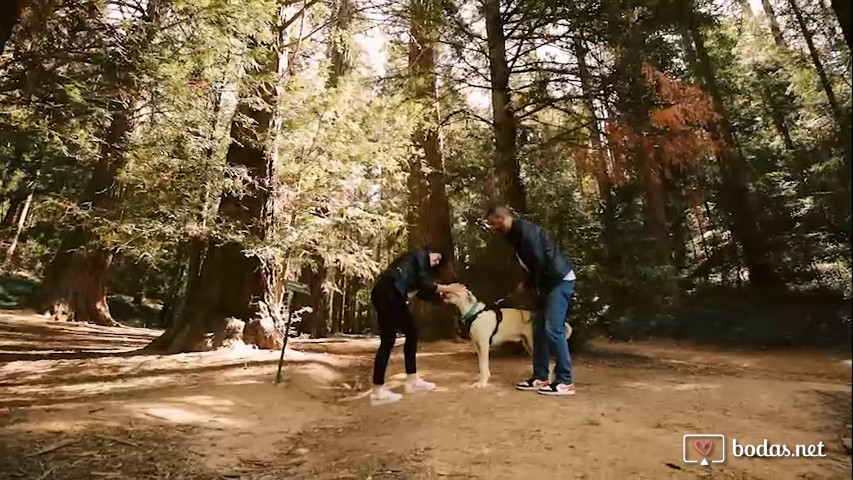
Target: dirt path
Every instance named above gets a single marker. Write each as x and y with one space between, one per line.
106 413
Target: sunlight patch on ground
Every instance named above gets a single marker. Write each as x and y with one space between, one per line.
179 413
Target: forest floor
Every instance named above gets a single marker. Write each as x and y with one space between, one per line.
76 402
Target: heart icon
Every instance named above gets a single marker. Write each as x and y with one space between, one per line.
703 447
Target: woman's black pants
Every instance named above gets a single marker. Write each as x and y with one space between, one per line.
392 315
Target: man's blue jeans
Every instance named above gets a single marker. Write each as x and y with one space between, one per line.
549 334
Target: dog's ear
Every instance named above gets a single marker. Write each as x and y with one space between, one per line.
470 296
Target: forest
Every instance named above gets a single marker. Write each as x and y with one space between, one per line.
190 156
175 171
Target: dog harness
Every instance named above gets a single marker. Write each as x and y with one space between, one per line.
467 319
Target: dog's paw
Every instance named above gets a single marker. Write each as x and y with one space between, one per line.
480 384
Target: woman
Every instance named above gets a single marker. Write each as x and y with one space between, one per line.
412 272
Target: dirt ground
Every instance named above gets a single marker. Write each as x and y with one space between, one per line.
76 402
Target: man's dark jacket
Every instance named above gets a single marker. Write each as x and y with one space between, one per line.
540 254
411 272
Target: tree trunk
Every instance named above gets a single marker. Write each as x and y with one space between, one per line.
771 104
15 163
351 319
843 12
778 119
602 177
429 209
13 210
232 286
80 290
507 170
191 251
736 197
818 65
191 258
318 319
602 174
338 303
229 281
655 207
770 13
341 52
58 295
65 290
341 65
22 220
10 10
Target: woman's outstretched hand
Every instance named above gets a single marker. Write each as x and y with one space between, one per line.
454 287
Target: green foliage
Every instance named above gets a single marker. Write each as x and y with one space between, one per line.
342 172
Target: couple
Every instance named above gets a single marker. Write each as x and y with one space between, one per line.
549 274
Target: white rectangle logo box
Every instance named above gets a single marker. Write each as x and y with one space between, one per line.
684 447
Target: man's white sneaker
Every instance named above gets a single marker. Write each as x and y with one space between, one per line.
383 396
558 389
419 385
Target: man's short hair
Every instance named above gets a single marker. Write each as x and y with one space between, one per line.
498 210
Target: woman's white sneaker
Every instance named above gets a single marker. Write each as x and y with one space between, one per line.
419 385
382 396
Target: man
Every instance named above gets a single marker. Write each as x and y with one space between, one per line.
552 277
411 273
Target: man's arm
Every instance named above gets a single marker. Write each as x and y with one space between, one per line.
535 239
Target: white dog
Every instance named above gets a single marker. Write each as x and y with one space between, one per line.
486 330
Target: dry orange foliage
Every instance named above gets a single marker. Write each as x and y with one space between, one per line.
676 136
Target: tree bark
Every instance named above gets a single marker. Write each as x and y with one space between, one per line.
507 170
13 210
338 302
599 152
736 197
191 257
65 290
19 228
318 318
818 65
770 13
602 176
191 251
351 320
14 164
233 285
429 206
341 52
62 292
844 12
10 11
655 207
229 281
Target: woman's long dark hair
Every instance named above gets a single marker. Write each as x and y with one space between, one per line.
445 265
